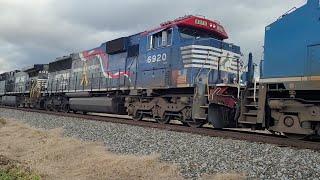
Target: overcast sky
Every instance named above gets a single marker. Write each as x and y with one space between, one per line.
38 31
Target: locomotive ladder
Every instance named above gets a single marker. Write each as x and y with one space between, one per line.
252 105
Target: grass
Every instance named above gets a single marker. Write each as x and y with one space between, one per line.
15 170
2 122
17 174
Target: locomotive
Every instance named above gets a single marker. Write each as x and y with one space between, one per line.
286 98
290 83
184 70
161 73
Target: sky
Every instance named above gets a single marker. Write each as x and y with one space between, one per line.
38 31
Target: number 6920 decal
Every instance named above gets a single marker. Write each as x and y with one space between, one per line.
157 58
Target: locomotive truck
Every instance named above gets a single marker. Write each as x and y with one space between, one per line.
185 70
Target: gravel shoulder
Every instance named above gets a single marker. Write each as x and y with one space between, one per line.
31 154
195 155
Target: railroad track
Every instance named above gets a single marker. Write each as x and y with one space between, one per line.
278 140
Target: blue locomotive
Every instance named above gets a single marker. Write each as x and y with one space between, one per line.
184 70
161 73
287 97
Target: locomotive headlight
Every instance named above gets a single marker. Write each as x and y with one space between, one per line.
212 25
235 80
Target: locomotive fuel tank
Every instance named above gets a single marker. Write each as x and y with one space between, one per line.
9 100
114 105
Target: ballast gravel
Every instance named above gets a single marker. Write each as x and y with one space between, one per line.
194 154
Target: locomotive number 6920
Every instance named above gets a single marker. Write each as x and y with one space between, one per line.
157 58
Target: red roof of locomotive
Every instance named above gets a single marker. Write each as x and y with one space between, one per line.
196 22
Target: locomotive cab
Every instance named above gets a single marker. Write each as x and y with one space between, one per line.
186 49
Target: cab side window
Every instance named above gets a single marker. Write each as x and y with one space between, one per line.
169 39
160 39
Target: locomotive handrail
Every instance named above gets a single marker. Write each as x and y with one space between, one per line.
254 90
288 12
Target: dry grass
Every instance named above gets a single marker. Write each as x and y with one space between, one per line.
55 157
2 122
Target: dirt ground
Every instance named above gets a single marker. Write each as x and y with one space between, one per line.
53 156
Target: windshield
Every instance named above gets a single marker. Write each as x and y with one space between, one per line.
189 33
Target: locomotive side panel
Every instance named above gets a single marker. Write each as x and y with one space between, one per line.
154 59
2 87
111 66
59 75
288 41
21 80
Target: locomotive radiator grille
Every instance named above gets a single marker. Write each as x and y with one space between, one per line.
43 83
209 57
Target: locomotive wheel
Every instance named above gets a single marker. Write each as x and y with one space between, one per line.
159 115
295 136
187 119
138 116
56 109
65 108
42 104
48 107
165 120
275 133
194 124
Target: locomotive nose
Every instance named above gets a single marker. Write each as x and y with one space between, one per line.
211 53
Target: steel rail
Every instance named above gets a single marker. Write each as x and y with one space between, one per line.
249 136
